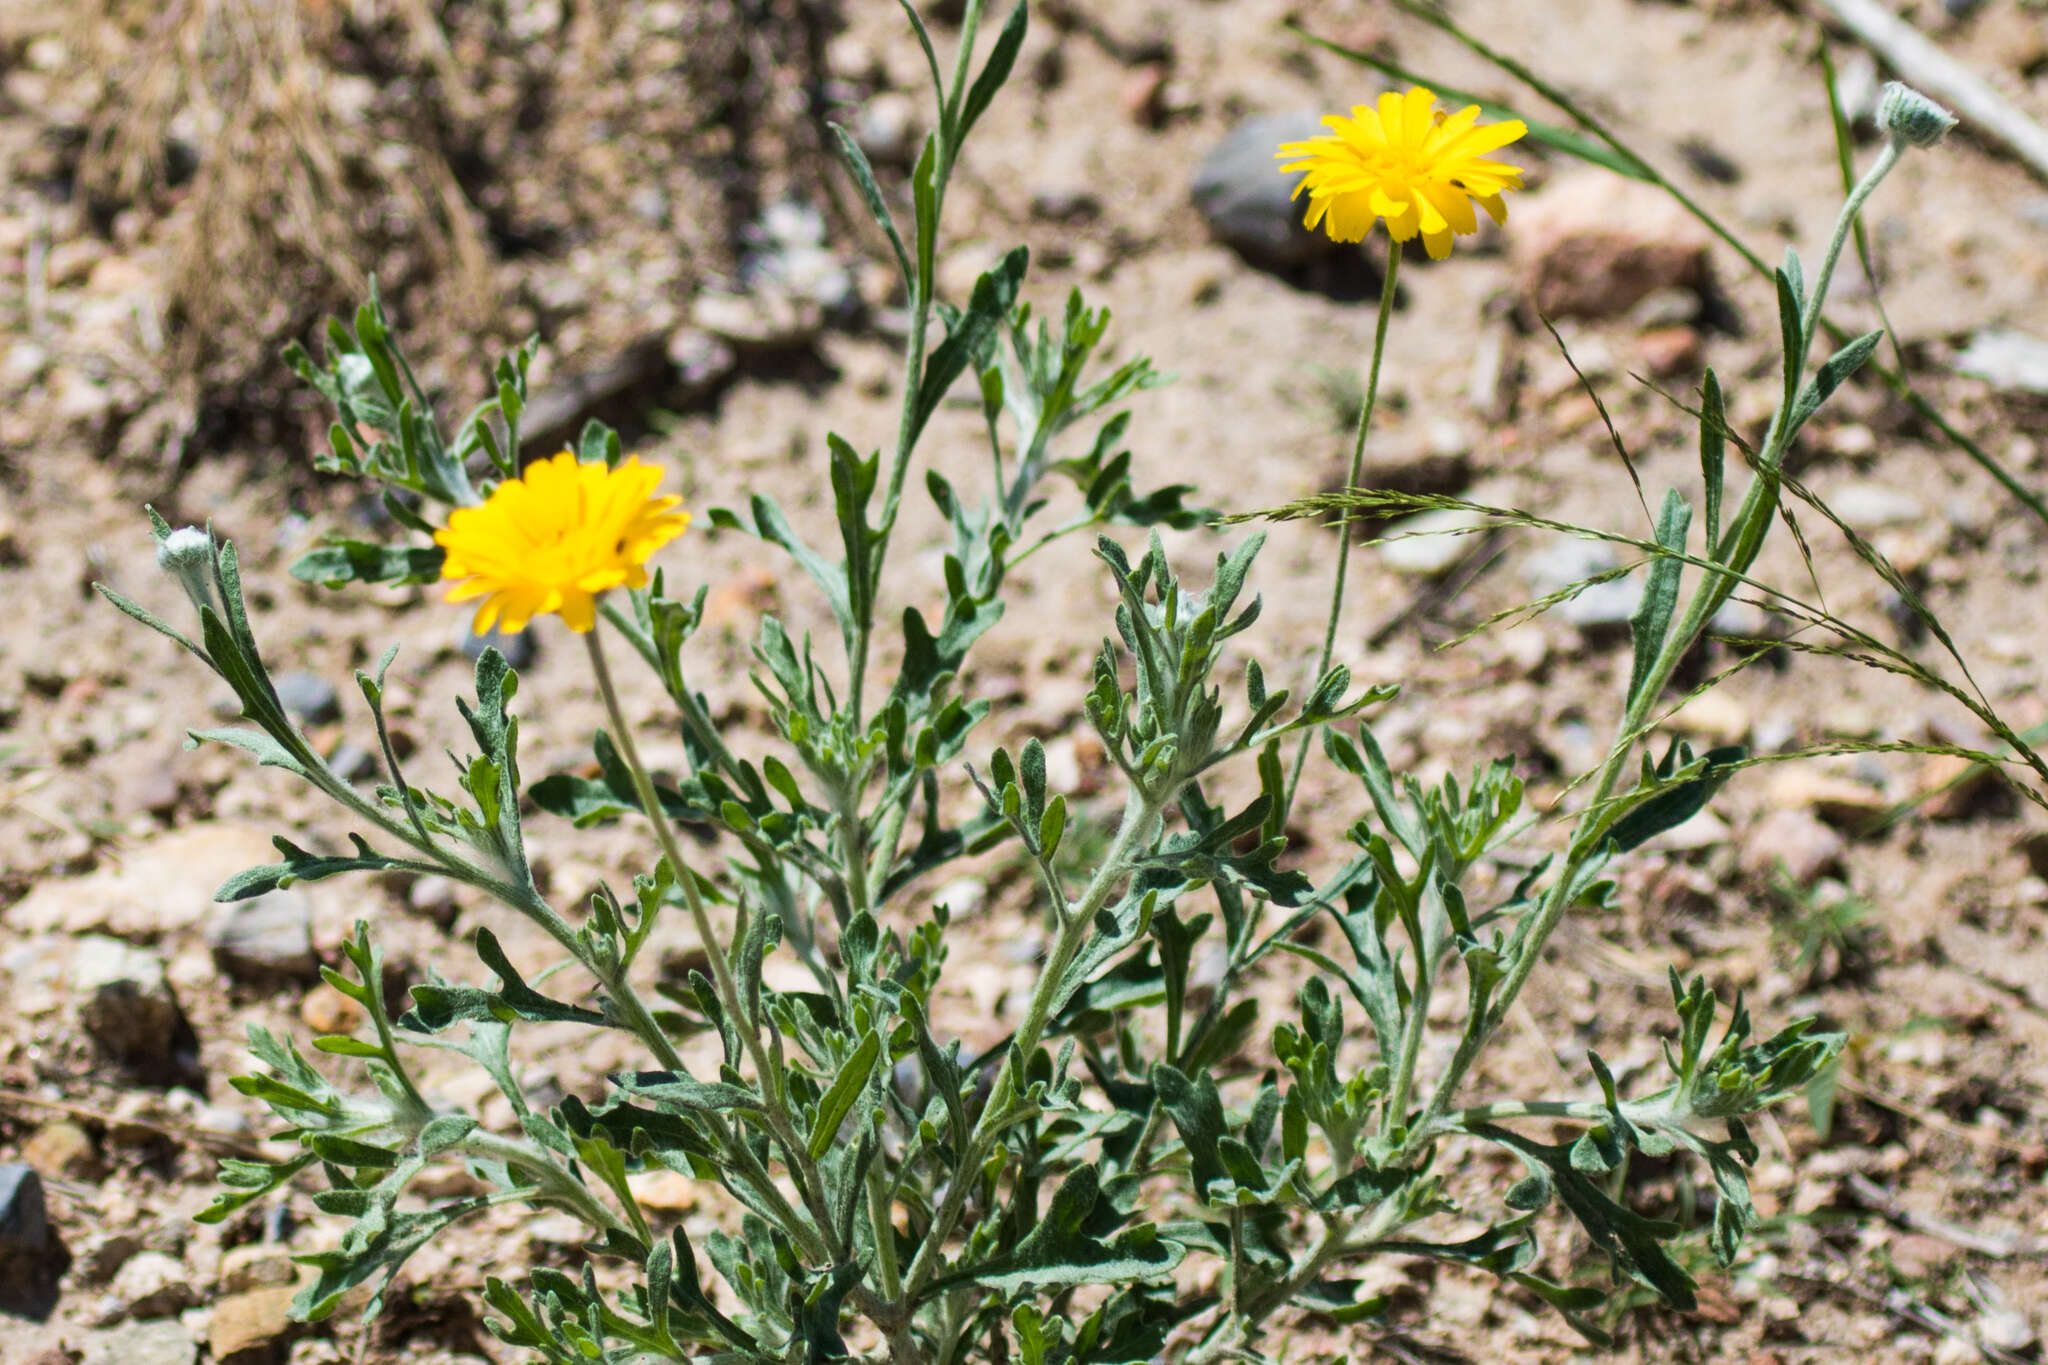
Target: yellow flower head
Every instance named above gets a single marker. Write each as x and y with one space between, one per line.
1406 162
553 539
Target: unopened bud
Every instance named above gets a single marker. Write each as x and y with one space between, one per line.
186 554
1906 116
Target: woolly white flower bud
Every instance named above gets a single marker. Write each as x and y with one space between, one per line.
186 554
1906 116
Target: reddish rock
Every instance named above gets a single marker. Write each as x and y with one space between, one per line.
1593 245
1669 351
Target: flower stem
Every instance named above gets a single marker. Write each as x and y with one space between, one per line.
769 1075
908 428
1845 222
1737 552
1140 822
1365 409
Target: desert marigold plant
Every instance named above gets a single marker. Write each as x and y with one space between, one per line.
1407 162
549 541
891 1193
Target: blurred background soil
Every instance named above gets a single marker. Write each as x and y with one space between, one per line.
186 186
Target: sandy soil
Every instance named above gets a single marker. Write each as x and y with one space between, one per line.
1915 1227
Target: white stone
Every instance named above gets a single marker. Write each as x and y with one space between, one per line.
1430 543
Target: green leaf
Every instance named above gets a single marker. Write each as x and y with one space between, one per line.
301 866
1677 804
1791 335
1634 1243
340 1045
990 303
1829 377
268 751
146 617
339 561
380 1243
589 801
1652 619
1001 58
680 1090
1713 444
248 1181
437 1004
1074 1244
1197 1112
846 1088
924 203
924 41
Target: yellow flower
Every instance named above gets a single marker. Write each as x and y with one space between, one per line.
1408 163
553 539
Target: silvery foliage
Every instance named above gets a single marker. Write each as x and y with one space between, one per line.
892 1190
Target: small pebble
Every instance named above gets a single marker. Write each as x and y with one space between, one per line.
266 938
520 650
308 696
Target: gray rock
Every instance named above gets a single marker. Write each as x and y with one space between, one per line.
649 203
2034 848
32 1260
162 1342
1744 621
887 129
519 650
1857 85
2006 1329
103 1259
1868 505
769 320
130 1011
1430 543
152 1285
702 363
1248 204
352 763
24 365
1567 560
791 278
277 1223
267 939
434 898
2009 359
1065 204
24 1220
265 1265
308 696
812 275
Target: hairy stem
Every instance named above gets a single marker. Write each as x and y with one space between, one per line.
1365 409
907 428
769 1075
1140 823
1738 551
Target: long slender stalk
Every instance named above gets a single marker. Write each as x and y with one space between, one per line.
801 1167
907 430
1365 410
1895 380
1740 546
